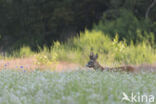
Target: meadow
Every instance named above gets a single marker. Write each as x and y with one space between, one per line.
47 46
73 87
43 84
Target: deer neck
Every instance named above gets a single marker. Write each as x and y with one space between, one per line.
97 66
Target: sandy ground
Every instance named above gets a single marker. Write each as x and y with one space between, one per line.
29 64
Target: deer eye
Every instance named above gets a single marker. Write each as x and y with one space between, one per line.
91 62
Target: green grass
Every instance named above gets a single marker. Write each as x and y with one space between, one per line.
77 87
112 52
77 49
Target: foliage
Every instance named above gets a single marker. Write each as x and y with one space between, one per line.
129 27
42 59
111 52
24 51
38 23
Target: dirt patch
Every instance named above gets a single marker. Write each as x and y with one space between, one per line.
147 67
19 63
29 64
65 66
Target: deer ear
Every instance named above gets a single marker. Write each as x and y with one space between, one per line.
91 55
96 56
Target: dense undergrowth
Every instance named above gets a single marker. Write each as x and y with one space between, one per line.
128 26
77 49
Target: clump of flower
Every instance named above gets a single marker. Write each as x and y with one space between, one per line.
42 59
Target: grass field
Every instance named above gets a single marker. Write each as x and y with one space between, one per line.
74 87
29 82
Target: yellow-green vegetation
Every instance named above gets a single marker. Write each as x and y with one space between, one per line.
25 51
77 49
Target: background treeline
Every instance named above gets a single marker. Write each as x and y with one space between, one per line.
37 23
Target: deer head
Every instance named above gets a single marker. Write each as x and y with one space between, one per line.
92 63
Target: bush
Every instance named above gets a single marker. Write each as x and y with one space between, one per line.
25 51
128 26
77 50
110 51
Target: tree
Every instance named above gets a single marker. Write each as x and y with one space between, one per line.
149 8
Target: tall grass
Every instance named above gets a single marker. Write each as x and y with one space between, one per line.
77 49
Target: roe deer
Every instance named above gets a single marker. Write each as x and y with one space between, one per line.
96 66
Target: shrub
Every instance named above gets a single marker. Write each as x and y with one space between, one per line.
110 51
128 26
25 51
